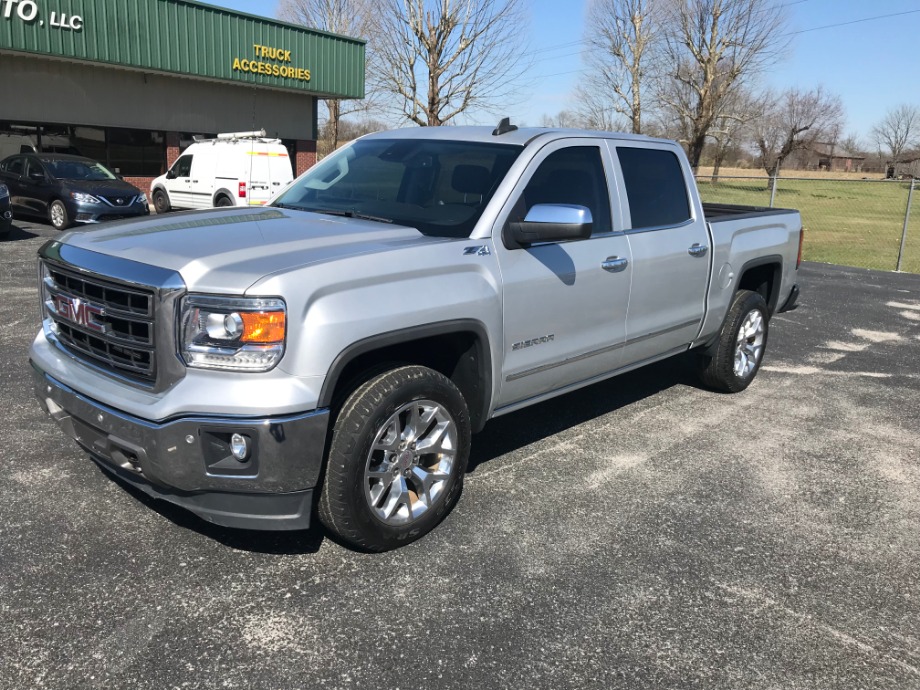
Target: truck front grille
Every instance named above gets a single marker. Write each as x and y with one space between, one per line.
106 324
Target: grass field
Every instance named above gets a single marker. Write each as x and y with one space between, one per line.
850 221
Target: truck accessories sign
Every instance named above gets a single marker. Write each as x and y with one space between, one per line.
272 69
29 12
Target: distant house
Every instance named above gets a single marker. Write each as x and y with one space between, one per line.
836 158
908 165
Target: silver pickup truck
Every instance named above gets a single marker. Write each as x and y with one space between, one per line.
337 348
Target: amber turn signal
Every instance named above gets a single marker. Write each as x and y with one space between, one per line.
262 327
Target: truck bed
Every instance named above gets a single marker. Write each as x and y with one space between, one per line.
716 212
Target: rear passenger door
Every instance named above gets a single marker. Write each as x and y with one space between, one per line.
670 250
564 303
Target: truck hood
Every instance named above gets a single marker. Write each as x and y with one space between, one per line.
226 251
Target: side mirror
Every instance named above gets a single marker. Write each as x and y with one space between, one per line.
549 223
170 175
36 176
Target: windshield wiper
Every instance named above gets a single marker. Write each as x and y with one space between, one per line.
349 213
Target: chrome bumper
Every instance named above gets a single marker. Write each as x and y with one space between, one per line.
187 461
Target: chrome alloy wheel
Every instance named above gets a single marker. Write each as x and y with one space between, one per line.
410 462
749 346
57 215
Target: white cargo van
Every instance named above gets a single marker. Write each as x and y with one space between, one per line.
235 169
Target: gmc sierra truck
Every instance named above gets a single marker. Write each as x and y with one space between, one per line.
334 350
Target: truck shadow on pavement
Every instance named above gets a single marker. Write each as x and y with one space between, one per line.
524 427
502 435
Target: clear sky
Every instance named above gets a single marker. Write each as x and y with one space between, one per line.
872 65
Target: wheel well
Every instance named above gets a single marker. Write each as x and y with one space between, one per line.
462 356
764 279
222 193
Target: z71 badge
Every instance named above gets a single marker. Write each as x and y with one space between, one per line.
533 341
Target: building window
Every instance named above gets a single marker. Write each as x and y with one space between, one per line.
136 152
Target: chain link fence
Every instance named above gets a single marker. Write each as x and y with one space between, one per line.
866 223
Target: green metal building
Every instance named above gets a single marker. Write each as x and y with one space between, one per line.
130 82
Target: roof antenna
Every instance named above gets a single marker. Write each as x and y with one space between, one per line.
504 127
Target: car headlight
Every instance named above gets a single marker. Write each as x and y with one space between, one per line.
84 198
237 333
141 198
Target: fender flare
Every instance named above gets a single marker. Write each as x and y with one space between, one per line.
479 409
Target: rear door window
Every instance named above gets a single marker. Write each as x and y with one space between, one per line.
655 187
15 165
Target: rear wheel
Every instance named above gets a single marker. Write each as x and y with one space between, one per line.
741 345
58 216
161 201
223 201
397 459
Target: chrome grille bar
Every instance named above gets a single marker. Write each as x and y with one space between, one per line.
109 325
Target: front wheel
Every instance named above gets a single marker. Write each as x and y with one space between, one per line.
397 459
741 345
160 201
58 216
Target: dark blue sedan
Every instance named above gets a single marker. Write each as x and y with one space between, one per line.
68 189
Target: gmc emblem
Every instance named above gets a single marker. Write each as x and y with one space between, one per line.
81 313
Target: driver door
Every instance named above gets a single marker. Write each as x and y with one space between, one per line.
564 303
179 187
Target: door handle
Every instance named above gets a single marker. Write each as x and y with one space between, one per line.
697 249
614 264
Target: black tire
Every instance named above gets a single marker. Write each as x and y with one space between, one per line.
718 370
223 201
345 503
161 201
58 216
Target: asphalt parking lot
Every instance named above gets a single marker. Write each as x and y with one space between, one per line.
642 533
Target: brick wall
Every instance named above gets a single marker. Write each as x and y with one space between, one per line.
305 156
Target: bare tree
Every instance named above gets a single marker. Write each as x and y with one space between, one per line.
795 120
731 125
348 17
714 47
621 39
899 130
441 59
564 119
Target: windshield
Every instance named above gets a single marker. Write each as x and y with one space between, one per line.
78 170
438 187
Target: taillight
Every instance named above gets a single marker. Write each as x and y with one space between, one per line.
798 262
242 192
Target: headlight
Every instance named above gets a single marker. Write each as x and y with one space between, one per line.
238 333
84 198
141 198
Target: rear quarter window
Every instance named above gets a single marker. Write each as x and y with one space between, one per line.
655 187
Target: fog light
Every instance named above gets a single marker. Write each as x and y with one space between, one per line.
239 446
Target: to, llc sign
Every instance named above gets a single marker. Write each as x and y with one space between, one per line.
28 11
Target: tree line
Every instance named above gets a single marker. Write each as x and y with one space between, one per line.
689 70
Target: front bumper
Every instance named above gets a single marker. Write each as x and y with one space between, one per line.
82 212
187 461
6 221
